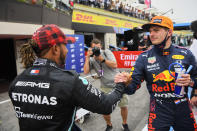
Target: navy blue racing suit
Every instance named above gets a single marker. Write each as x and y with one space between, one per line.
166 109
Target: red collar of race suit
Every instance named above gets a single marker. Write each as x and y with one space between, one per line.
163 52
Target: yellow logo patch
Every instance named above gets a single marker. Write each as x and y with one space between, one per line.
132 69
178 57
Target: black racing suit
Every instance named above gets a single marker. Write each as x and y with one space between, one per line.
166 109
45 97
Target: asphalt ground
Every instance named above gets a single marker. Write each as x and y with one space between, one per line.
137 117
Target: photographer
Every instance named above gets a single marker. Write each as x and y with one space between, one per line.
104 63
136 40
193 49
144 43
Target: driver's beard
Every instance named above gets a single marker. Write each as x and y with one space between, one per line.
62 58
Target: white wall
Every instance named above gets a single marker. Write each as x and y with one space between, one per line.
9 28
110 39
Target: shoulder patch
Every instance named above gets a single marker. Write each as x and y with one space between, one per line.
72 72
35 72
180 57
152 59
183 50
85 82
144 54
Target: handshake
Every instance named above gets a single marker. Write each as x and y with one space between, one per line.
123 77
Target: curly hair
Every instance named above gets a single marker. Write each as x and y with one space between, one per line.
27 53
30 51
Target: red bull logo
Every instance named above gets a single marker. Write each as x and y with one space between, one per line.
151 118
167 87
164 76
195 125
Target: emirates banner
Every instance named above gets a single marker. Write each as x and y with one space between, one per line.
126 59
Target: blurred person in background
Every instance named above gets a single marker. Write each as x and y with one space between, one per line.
144 43
193 49
104 63
193 46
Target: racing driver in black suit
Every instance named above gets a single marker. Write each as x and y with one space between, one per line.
45 96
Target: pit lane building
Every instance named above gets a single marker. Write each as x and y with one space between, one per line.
19 20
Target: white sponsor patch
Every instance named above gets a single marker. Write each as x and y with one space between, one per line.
153 67
32 84
40 62
157 21
34 99
164 95
21 114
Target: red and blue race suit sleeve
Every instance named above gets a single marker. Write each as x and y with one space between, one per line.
137 74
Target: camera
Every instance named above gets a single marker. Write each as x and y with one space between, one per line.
134 38
96 51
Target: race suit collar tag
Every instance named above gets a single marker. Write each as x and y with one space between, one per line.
39 62
44 62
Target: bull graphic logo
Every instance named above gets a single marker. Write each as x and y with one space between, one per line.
164 76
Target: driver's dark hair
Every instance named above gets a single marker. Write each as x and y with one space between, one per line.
96 41
30 51
193 26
